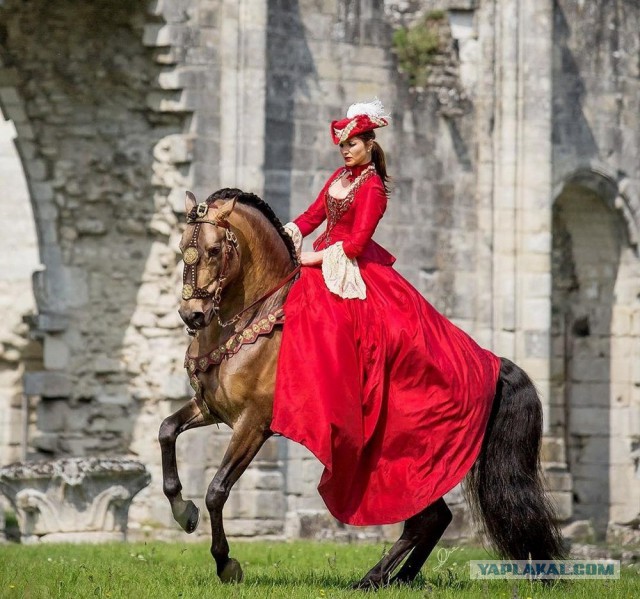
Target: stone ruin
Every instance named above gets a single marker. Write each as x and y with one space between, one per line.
515 210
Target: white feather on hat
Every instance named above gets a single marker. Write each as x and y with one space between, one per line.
374 108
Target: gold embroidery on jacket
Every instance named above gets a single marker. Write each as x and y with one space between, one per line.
337 208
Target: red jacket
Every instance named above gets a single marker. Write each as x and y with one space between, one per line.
355 227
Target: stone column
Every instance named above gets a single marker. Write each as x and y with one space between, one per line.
257 505
522 201
534 195
522 190
243 44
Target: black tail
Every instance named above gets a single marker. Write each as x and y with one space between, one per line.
505 487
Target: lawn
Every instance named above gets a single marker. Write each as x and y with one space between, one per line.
301 570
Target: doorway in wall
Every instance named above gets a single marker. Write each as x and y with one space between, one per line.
596 280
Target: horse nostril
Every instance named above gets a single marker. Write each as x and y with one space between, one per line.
197 320
193 320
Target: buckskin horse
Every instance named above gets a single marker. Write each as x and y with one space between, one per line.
238 266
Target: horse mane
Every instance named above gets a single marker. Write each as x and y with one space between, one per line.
251 199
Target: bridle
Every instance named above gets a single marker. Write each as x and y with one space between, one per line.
191 257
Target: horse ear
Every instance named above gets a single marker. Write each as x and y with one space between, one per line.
226 209
189 202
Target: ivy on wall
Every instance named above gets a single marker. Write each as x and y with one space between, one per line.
416 47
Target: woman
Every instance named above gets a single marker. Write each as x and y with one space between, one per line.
389 395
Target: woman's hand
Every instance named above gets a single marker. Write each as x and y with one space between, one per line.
311 258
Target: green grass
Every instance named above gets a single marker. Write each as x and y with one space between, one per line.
272 570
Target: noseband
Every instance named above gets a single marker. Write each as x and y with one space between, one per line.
191 257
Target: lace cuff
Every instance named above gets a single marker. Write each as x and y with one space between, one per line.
342 274
293 231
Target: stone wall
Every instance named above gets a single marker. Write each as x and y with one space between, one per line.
596 398
108 152
100 159
114 122
321 57
87 148
595 91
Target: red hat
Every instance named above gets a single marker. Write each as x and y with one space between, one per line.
361 117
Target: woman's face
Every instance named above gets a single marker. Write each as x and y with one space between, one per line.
355 151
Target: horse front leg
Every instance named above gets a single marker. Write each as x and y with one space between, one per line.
185 513
248 437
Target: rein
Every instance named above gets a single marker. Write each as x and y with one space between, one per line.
261 299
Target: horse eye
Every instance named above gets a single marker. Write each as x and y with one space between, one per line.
214 251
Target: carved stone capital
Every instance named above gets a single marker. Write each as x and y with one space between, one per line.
74 499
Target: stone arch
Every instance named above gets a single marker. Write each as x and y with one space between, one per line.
100 158
614 189
594 344
19 259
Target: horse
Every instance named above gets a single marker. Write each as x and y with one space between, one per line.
239 264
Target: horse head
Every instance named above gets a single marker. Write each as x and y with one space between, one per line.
211 256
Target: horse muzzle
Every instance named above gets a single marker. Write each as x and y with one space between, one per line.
195 320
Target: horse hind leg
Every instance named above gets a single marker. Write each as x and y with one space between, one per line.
380 575
433 525
248 437
185 513
419 536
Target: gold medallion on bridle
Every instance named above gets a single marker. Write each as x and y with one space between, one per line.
190 255
187 291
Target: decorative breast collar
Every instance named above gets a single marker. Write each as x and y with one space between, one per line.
249 335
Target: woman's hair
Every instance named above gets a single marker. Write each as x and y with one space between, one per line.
377 157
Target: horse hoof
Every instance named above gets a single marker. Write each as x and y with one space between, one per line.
366 584
189 518
232 572
401 580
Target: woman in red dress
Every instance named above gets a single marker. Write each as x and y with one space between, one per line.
388 394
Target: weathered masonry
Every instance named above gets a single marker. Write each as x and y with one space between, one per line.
515 210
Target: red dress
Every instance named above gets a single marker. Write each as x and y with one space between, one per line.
388 394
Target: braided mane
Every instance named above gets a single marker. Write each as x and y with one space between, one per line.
251 199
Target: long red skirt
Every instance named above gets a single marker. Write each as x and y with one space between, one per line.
388 394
